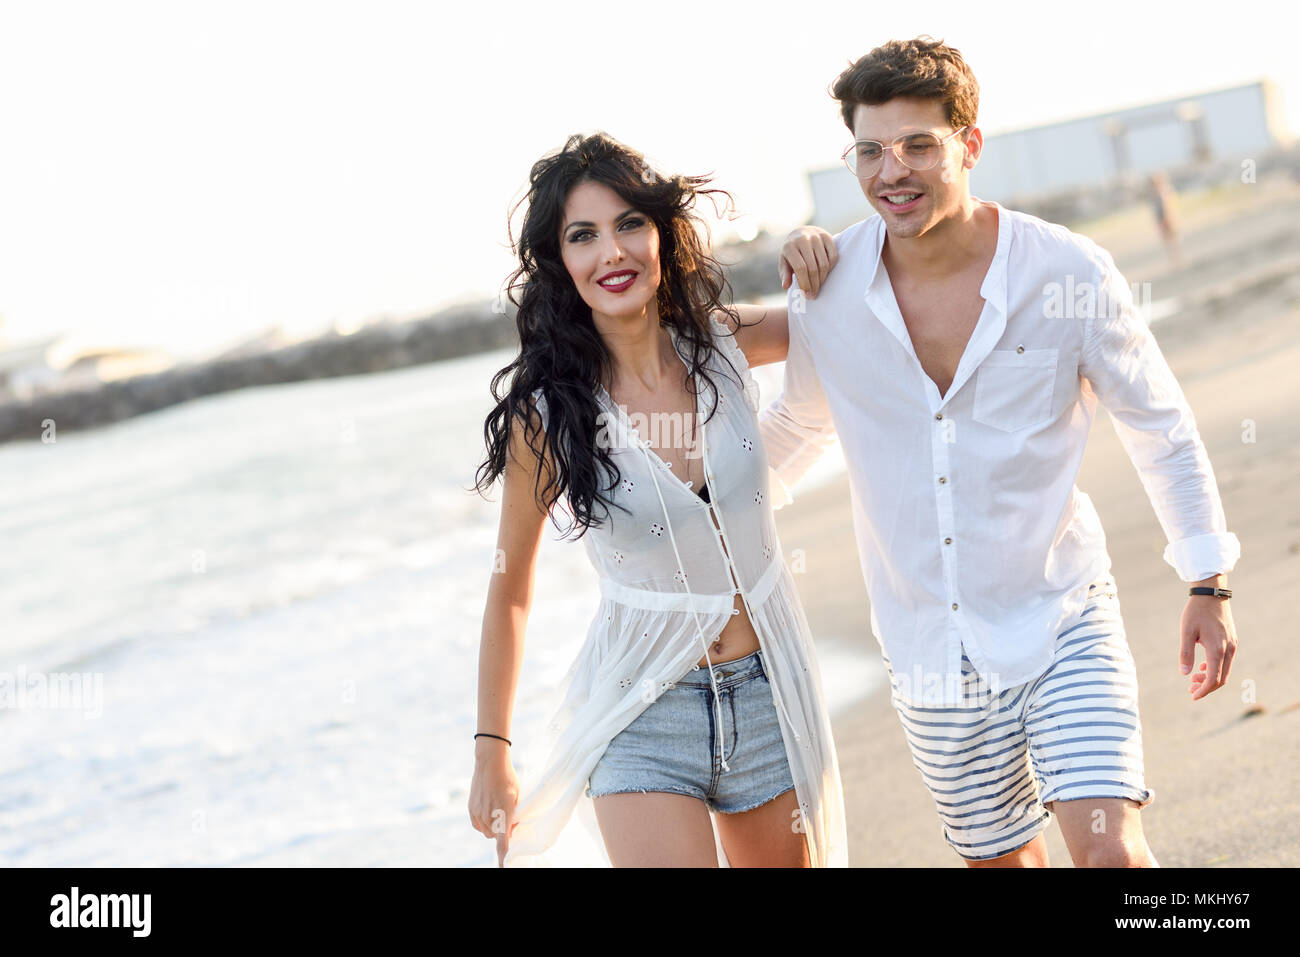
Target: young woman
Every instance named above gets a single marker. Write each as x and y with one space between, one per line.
697 688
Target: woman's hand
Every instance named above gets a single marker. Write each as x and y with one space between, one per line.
808 255
494 793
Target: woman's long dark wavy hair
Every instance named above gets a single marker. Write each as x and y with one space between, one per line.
561 351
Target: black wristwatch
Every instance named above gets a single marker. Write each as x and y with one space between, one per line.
1216 592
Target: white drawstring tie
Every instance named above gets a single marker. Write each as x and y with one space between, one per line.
698 627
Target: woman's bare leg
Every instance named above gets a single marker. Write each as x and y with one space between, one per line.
656 829
766 836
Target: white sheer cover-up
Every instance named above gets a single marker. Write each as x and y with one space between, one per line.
666 593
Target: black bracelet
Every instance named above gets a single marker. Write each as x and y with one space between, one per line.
1216 592
484 734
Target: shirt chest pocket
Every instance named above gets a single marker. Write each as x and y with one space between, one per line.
1013 389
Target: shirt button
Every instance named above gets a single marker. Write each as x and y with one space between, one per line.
954 606
947 541
942 480
938 415
1020 348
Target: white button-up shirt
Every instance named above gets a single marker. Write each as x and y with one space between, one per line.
971 532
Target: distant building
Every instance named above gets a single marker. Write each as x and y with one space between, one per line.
63 361
1237 123
25 368
92 366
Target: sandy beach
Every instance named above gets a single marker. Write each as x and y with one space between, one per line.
1224 769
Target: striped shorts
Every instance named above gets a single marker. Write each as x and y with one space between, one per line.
1071 733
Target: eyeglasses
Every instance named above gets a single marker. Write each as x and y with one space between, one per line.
916 151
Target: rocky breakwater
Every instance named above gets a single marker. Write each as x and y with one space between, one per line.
448 334
454 332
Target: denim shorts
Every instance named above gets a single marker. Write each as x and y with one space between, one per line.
671 746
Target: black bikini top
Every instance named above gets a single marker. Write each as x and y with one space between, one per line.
703 492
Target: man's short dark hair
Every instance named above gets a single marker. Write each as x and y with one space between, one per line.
924 67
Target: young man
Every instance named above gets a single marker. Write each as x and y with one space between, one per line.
959 350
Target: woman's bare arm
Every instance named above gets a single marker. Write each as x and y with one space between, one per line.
764 335
494 791
809 255
510 591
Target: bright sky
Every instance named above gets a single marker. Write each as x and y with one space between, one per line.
185 175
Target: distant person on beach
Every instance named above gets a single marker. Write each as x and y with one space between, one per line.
962 380
632 406
1164 204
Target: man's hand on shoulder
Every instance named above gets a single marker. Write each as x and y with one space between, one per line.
807 255
1207 621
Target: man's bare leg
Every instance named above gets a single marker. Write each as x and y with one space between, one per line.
1033 854
1103 832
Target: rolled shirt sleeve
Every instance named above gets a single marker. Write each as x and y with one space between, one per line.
1128 372
797 428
